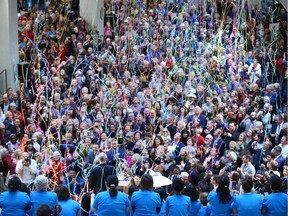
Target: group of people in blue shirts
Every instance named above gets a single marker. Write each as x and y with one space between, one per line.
145 200
185 201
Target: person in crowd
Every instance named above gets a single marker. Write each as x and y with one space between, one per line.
104 201
115 153
221 199
42 196
140 80
93 155
246 168
205 208
74 182
56 168
163 196
43 210
240 205
14 202
191 191
26 168
100 173
178 204
275 203
69 206
152 204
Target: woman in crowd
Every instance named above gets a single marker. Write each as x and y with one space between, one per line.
221 199
14 202
73 93
192 192
178 204
248 203
163 196
69 206
111 202
152 204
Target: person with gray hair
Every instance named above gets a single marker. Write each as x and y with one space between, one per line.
42 196
99 174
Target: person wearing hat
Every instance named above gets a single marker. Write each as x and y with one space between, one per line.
14 202
191 100
42 196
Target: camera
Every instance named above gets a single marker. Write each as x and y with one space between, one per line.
26 159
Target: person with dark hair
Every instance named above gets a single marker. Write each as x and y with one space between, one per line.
197 174
85 204
234 181
14 202
246 168
247 203
163 196
43 210
111 202
152 204
276 202
191 191
178 204
221 199
74 181
278 157
131 190
205 208
69 206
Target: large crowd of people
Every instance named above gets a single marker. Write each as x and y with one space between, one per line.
195 91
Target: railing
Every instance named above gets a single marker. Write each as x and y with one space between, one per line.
3 81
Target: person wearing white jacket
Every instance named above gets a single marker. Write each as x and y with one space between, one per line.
26 169
254 71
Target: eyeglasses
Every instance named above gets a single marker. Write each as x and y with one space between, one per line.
165 131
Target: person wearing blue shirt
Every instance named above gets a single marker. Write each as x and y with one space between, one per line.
178 204
14 202
276 202
240 205
190 191
163 196
75 183
42 196
69 206
111 202
221 199
145 202
205 208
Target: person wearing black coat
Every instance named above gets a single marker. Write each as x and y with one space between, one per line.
99 174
